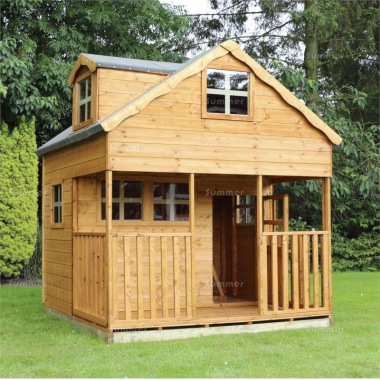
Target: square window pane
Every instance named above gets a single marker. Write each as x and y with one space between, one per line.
103 211
103 189
132 211
181 212
246 215
239 105
115 211
82 113
161 212
88 80
82 90
182 191
160 191
239 81
115 189
57 193
88 114
132 189
216 103
216 79
57 214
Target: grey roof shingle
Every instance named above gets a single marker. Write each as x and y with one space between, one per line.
134 64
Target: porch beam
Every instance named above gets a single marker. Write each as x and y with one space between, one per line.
326 226
261 249
192 231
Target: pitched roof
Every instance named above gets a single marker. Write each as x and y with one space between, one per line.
93 61
177 73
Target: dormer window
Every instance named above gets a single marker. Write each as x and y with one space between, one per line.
227 92
84 100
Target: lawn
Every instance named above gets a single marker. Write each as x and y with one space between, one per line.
35 344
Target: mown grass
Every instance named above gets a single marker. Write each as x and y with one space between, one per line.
35 344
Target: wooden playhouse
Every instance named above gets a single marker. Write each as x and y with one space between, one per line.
158 203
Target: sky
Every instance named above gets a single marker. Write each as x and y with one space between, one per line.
192 6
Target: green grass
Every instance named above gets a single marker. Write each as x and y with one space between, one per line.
35 344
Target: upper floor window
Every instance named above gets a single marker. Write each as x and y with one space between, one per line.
227 92
171 201
57 204
84 100
126 200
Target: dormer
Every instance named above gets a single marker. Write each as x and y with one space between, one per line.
102 84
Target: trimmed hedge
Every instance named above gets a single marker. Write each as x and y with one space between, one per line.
18 197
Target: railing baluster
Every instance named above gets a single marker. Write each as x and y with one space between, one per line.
285 272
306 277
315 270
295 273
274 274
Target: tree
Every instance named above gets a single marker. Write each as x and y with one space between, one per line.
41 40
18 203
326 52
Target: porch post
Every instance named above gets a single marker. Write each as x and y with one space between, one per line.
261 250
109 266
192 232
326 226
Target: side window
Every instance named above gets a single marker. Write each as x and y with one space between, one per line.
57 204
171 201
127 200
227 92
245 209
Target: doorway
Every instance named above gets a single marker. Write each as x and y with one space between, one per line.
234 249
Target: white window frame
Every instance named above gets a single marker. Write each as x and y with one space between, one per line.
86 99
123 200
227 92
57 204
248 209
171 201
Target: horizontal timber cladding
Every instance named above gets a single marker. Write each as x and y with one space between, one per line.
117 87
59 168
80 159
170 135
57 252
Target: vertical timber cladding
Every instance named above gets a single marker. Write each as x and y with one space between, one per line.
170 133
60 167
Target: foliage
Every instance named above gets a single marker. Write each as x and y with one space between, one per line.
41 39
326 53
360 254
18 204
299 224
53 348
34 267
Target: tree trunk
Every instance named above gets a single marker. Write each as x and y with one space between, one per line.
311 61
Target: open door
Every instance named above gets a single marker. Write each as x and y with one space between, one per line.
234 246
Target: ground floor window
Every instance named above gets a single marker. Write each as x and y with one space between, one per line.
171 201
127 200
245 209
57 204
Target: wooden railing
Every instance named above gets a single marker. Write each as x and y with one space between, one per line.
152 277
294 272
89 292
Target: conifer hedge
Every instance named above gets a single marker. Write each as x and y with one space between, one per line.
18 196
